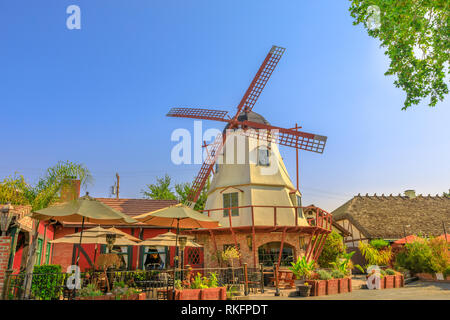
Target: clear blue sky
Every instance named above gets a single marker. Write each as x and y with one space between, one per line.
99 95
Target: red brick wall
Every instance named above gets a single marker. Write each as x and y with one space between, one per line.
62 253
291 239
5 247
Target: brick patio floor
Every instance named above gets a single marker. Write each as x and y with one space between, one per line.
418 290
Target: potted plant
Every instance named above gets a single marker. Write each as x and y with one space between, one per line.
91 292
302 270
229 255
320 285
304 289
123 292
389 279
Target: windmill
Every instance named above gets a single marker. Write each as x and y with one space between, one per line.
241 120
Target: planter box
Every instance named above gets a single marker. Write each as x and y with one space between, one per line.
104 297
426 276
389 281
344 285
214 294
188 294
332 286
201 294
319 287
398 281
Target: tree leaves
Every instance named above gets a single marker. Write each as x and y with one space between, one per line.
162 190
16 190
415 34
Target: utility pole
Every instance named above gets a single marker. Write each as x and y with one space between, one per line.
118 184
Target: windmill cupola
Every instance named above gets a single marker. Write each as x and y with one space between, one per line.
250 116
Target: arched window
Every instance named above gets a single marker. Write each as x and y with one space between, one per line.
268 254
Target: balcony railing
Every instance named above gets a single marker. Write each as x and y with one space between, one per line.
316 217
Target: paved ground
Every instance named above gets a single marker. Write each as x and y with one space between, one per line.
418 290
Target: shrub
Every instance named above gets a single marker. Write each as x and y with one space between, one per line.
332 249
47 281
121 290
336 274
418 256
379 244
440 259
302 269
90 290
375 256
199 282
447 272
390 272
324 275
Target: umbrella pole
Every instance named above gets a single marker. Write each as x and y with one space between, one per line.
81 237
176 262
95 254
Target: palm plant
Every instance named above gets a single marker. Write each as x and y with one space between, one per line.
302 269
343 264
375 256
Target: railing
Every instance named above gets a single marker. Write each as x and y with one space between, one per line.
320 218
56 286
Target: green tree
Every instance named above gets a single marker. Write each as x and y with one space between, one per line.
332 249
45 193
415 36
160 190
47 190
183 189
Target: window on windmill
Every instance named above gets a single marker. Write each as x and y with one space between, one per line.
230 200
216 168
299 204
263 156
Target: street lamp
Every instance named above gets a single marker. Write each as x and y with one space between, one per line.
6 217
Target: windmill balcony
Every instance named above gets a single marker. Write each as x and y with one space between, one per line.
268 217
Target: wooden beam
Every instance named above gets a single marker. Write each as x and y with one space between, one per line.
281 248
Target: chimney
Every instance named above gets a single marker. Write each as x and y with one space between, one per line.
410 193
71 190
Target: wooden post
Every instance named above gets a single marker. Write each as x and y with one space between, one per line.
245 279
261 270
118 185
281 247
274 216
277 289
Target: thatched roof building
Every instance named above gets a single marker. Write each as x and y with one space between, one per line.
391 217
